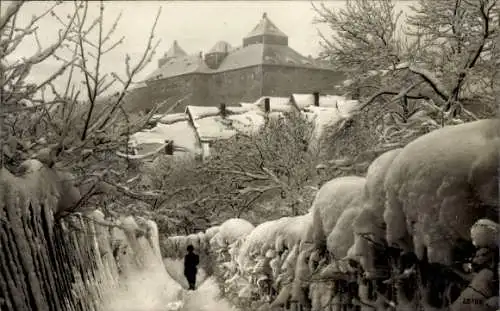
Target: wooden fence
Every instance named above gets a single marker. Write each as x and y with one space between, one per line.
69 264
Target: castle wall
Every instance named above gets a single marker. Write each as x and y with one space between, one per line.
284 80
137 100
235 86
175 88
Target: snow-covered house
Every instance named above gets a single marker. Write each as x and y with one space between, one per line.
192 133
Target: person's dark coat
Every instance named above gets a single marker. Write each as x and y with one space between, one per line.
191 261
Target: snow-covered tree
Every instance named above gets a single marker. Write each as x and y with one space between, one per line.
448 53
71 127
439 67
364 39
276 163
268 174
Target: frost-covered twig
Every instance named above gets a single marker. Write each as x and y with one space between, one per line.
399 94
144 60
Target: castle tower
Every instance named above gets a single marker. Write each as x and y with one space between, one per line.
266 32
217 53
174 51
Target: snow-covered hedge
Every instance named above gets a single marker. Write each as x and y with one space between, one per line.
439 185
435 197
369 226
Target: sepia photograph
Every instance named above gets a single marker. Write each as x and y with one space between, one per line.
300 155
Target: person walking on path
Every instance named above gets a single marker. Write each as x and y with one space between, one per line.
191 261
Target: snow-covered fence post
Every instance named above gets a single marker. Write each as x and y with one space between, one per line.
222 109
316 99
267 105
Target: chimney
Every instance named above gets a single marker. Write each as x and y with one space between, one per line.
267 105
316 99
222 109
169 148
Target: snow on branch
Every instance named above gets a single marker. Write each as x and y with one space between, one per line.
84 129
274 161
432 80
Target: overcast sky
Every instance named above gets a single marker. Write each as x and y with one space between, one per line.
196 25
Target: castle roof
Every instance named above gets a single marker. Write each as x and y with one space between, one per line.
221 47
175 51
254 52
266 27
265 54
179 66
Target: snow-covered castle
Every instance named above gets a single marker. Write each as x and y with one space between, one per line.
264 65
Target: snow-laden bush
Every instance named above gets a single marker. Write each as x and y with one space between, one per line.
484 233
341 239
280 234
174 246
440 184
252 263
144 282
370 220
210 232
331 200
320 294
284 260
340 244
294 230
234 229
302 277
194 240
261 239
369 226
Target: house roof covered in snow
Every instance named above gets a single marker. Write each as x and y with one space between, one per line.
181 132
203 124
343 105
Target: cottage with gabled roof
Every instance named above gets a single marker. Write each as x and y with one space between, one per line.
264 65
193 132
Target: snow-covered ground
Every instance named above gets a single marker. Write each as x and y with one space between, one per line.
205 299
156 290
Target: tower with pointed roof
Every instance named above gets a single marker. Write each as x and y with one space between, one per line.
174 52
217 53
266 32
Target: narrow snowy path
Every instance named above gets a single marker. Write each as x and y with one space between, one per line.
156 290
204 299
